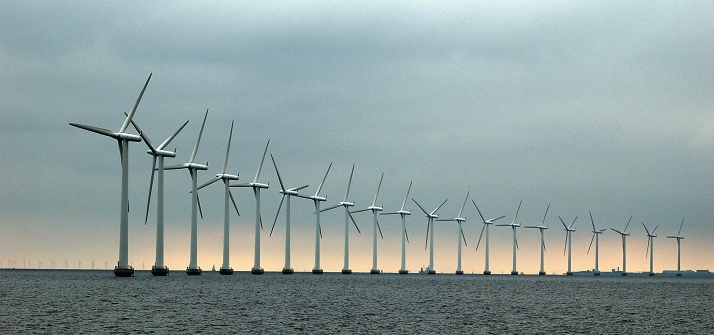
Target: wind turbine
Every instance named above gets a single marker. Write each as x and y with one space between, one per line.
624 235
679 237
348 216
650 246
159 268
430 226
459 220
596 234
513 226
486 223
405 237
287 269
542 227
316 199
193 269
225 269
257 270
374 208
123 269
568 242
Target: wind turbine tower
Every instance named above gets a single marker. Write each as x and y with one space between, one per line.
624 235
257 270
679 237
513 226
568 242
486 223
430 231
459 220
159 268
542 228
193 269
348 216
596 234
287 193
122 269
316 199
374 208
405 237
650 246
225 269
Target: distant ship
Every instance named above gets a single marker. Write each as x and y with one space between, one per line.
213 268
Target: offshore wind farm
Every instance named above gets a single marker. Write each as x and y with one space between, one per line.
519 113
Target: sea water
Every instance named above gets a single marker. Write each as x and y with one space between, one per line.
83 301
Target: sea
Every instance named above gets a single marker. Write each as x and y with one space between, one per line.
96 302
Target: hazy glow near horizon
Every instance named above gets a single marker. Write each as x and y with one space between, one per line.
585 106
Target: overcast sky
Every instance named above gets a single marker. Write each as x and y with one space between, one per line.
588 106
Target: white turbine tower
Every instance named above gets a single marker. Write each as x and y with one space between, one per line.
348 216
624 235
123 269
568 242
374 208
542 227
596 235
193 269
225 269
513 226
430 230
679 237
316 199
159 268
405 237
459 220
287 269
650 246
257 270
486 223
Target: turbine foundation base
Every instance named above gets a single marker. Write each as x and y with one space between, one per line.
459 272
514 273
375 271
160 271
403 272
288 271
226 271
431 272
124 271
256 271
597 273
317 271
624 273
679 274
346 271
569 273
651 274
193 271
486 273
541 273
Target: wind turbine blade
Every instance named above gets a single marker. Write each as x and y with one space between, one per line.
228 149
479 212
171 138
546 214
299 188
648 232
215 179
151 186
406 234
437 208
571 224
320 229
276 214
121 151
198 200
422 208
566 242
515 239
353 221
653 230
329 208
198 140
349 183
627 225
648 246
517 210
143 136
592 221
136 105
544 246
679 233
361 210
464 205
380 229
230 194
591 243
498 218
323 180
481 235
282 187
463 236
378 187
407 197
257 174
615 230
101 131
561 221
426 241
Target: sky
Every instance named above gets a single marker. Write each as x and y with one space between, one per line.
587 106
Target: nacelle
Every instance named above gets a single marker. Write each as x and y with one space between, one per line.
375 208
196 166
227 176
164 153
129 137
